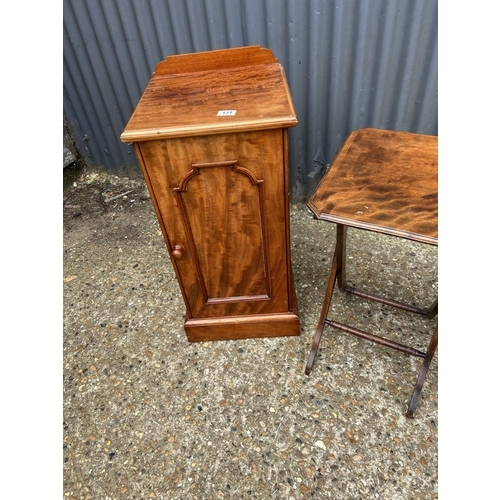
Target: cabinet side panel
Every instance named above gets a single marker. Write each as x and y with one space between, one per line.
292 298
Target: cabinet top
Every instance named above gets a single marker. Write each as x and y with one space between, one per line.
229 90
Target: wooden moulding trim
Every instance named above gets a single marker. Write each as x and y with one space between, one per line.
243 298
195 130
390 231
288 94
233 164
243 327
195 170
314 210
242 320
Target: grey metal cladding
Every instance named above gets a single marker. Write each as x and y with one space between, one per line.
349 64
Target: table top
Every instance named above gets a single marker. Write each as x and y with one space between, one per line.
383 181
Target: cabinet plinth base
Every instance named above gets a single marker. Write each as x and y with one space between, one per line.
243 327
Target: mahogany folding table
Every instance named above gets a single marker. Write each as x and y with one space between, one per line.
387 182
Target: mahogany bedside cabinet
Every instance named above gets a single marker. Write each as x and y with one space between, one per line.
211 136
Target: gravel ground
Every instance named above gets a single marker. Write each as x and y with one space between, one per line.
149 415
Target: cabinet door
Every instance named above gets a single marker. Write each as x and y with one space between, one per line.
222 203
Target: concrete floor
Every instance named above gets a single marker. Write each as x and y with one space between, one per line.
149 415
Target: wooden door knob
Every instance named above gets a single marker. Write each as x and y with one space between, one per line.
178 251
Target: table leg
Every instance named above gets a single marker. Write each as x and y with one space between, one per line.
433 310
337 272
340 248
423 373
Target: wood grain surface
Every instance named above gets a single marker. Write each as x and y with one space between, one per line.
210 133
187 103
383 181
229 218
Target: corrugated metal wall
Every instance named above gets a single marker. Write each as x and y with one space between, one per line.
349 63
